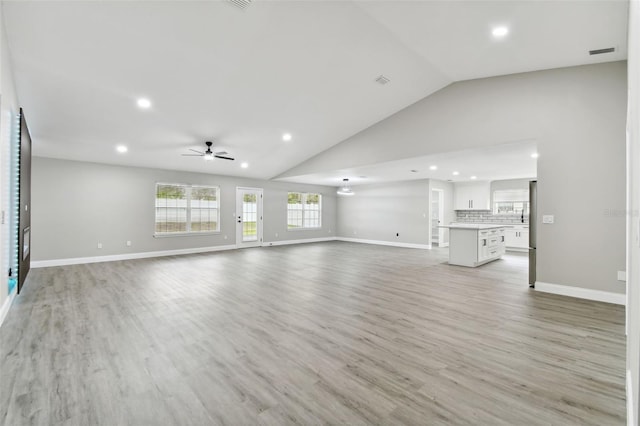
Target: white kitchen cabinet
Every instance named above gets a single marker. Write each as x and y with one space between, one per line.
472 196
517 238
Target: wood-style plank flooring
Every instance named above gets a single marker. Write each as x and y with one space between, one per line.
327 333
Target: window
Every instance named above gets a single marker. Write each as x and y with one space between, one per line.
186 209
512 201
304 210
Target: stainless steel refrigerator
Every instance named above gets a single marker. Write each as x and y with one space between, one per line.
533 225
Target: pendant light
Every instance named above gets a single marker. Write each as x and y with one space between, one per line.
345 189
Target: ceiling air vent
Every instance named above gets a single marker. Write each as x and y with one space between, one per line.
240 4
382 80
601 51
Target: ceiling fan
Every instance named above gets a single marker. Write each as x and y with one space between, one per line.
209 154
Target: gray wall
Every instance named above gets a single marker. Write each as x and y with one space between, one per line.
633 217
576 115
78 204
379 212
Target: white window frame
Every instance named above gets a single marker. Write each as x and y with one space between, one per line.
188 232
510 196
304 203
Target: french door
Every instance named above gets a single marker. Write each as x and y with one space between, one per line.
248 217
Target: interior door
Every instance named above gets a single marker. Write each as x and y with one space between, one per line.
437 216
248 217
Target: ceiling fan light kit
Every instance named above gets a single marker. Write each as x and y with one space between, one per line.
209 155
345 189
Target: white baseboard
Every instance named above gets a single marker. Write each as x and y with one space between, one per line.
145 255
301 241
582 293
126 256
7 305
385 243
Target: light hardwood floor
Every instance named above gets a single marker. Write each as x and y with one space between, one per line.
327 333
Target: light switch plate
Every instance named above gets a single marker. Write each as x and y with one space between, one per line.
622 275
547 218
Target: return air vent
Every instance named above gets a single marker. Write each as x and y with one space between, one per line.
240 4
601 51
382 80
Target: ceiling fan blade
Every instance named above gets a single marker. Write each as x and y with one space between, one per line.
221 153
193 155
199 152
224 158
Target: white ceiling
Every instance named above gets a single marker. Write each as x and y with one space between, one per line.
244 77
503 161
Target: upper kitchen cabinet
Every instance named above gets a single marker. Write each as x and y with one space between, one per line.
472 196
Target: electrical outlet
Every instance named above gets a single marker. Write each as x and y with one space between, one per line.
99 245
128 243
225 237
276 235
548 218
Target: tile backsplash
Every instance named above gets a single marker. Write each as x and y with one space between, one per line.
486 216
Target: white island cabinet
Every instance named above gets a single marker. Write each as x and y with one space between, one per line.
474 245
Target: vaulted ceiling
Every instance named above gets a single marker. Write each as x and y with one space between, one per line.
244 77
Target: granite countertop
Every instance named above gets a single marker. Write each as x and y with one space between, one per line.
476 226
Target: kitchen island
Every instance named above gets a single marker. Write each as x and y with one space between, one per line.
475 244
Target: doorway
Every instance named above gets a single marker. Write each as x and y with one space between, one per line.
248 217
437 216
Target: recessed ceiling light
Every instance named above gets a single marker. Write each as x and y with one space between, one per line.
287 137
474 177
456 173
121 149
535 155
433 167
500 31
244 165
144 103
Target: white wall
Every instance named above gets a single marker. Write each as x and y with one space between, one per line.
576 115
633 217
76 204
379 212
8 111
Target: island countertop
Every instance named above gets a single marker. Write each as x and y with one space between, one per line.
476 226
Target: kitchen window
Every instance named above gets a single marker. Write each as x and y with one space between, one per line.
512 201
304 210
186 209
